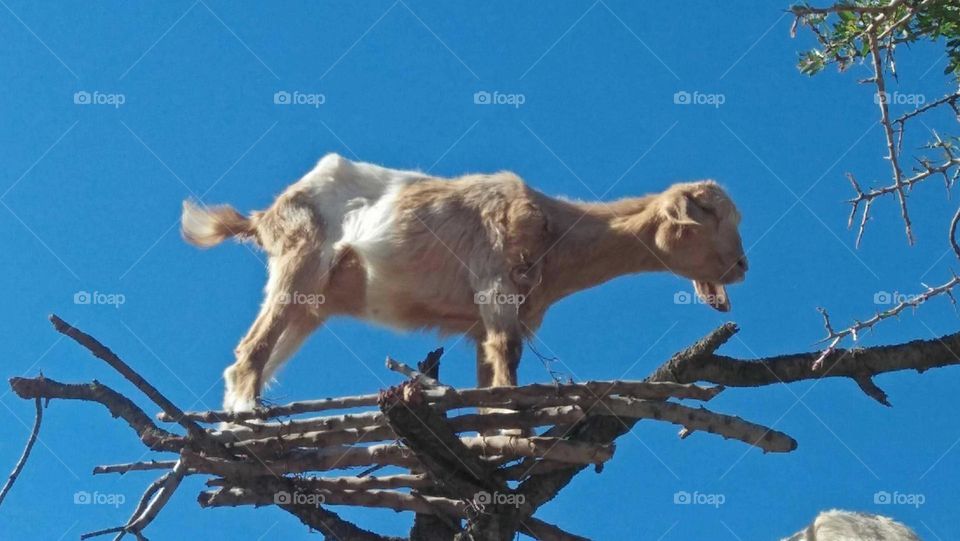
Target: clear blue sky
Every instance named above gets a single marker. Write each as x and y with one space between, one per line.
92 192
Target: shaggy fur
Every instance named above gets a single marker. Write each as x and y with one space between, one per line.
482 255
836 525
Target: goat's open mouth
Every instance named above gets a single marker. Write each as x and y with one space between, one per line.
713 294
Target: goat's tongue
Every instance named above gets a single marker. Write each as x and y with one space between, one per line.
713 294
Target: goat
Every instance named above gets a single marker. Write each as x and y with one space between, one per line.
480 255
837 525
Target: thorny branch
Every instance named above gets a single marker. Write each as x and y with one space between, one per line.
871 32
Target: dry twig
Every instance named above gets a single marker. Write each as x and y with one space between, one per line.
22 461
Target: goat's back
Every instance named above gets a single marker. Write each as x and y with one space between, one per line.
838 525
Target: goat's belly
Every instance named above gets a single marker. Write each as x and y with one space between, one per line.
410 309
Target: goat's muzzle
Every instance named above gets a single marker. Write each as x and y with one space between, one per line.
713 294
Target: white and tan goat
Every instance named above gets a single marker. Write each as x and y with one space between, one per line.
838 525
481 255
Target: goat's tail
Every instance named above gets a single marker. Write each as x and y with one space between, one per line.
209 226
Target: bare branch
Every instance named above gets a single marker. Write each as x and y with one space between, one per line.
528 396
315 516
401 368
167 487
103 352
135 466
22 461
317 484
152 436
385 499
699 419
293 408
919 355
448 471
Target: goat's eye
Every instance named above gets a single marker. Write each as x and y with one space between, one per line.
709 211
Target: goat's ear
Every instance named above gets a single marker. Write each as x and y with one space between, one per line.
680 214
681 210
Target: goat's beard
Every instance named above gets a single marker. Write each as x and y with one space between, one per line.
713 294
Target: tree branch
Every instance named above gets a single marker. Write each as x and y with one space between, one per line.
12 478
103 352
859 364
453 476
152 436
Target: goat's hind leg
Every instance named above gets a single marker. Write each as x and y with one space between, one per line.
289 342
291 311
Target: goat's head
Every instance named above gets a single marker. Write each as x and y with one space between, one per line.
697 233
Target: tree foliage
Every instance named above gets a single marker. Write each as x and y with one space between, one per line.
842 30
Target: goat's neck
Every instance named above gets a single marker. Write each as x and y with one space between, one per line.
599 242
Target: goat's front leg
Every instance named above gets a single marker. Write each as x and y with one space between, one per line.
498 355
501 343
502 349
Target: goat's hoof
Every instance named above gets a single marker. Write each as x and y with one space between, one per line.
225 426
243 405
